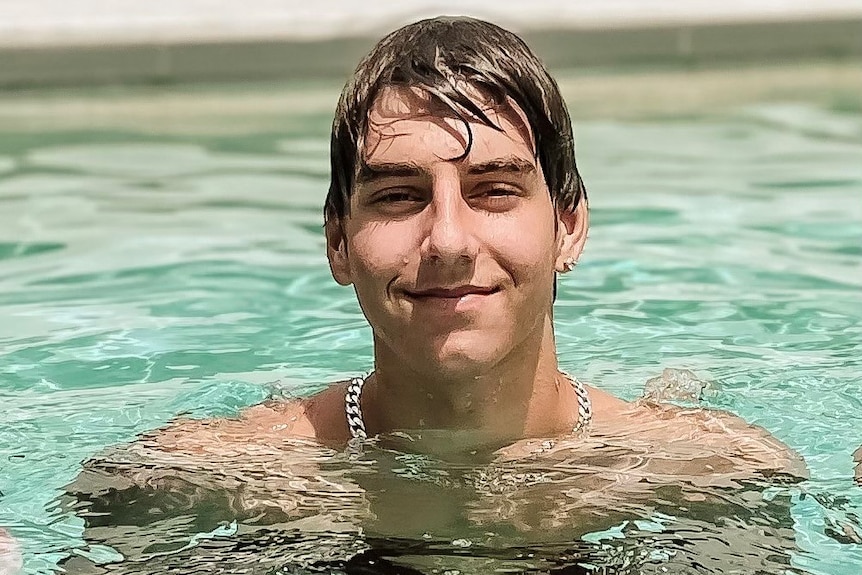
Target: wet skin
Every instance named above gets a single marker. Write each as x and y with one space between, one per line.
696 466
452 242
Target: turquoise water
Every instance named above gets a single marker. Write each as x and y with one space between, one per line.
146 276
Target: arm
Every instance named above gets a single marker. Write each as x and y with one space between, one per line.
735 447
223 491
10 554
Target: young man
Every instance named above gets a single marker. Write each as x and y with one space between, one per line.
455 202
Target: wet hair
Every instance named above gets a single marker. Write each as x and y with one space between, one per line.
443 56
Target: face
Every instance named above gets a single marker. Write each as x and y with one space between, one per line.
452 256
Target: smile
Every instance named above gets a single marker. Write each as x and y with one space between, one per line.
451 300
451 293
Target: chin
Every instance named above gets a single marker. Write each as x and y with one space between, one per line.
466 355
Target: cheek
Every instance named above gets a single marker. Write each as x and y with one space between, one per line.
378 251
528 248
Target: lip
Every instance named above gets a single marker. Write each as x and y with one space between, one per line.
453 293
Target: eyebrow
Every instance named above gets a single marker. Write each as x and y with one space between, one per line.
509 164
377 170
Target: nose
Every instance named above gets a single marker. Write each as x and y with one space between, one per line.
450 236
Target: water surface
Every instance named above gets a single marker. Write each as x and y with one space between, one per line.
146 276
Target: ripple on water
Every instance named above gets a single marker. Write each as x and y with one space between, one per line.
142 279
21 250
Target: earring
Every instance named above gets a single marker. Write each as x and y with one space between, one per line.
569 265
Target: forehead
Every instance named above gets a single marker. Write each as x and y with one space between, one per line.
406 123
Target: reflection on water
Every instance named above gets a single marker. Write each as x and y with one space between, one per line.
145 277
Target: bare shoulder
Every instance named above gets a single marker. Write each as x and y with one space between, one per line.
723 432
695 430
606 406
319 417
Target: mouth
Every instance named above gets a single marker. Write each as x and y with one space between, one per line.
450 293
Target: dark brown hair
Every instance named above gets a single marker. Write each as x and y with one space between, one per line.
437 56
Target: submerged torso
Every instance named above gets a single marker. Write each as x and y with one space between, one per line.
415 493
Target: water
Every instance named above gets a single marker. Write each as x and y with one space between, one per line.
146 276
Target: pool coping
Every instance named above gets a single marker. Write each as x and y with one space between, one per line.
285 58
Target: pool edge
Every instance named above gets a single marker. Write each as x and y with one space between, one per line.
285 58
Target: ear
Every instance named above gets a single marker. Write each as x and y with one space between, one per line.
336 251
571 234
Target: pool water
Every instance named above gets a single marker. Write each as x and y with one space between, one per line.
148 275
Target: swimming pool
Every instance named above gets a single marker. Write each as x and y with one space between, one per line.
148 273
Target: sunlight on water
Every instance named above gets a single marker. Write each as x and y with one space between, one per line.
142 278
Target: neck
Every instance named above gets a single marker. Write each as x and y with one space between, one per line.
521 396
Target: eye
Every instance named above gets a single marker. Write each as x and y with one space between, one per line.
497 189
397 201
500 192
397 195
496 198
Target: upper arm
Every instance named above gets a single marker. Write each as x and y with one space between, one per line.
11 560
753 445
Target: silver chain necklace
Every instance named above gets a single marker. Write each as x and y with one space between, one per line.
357 424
